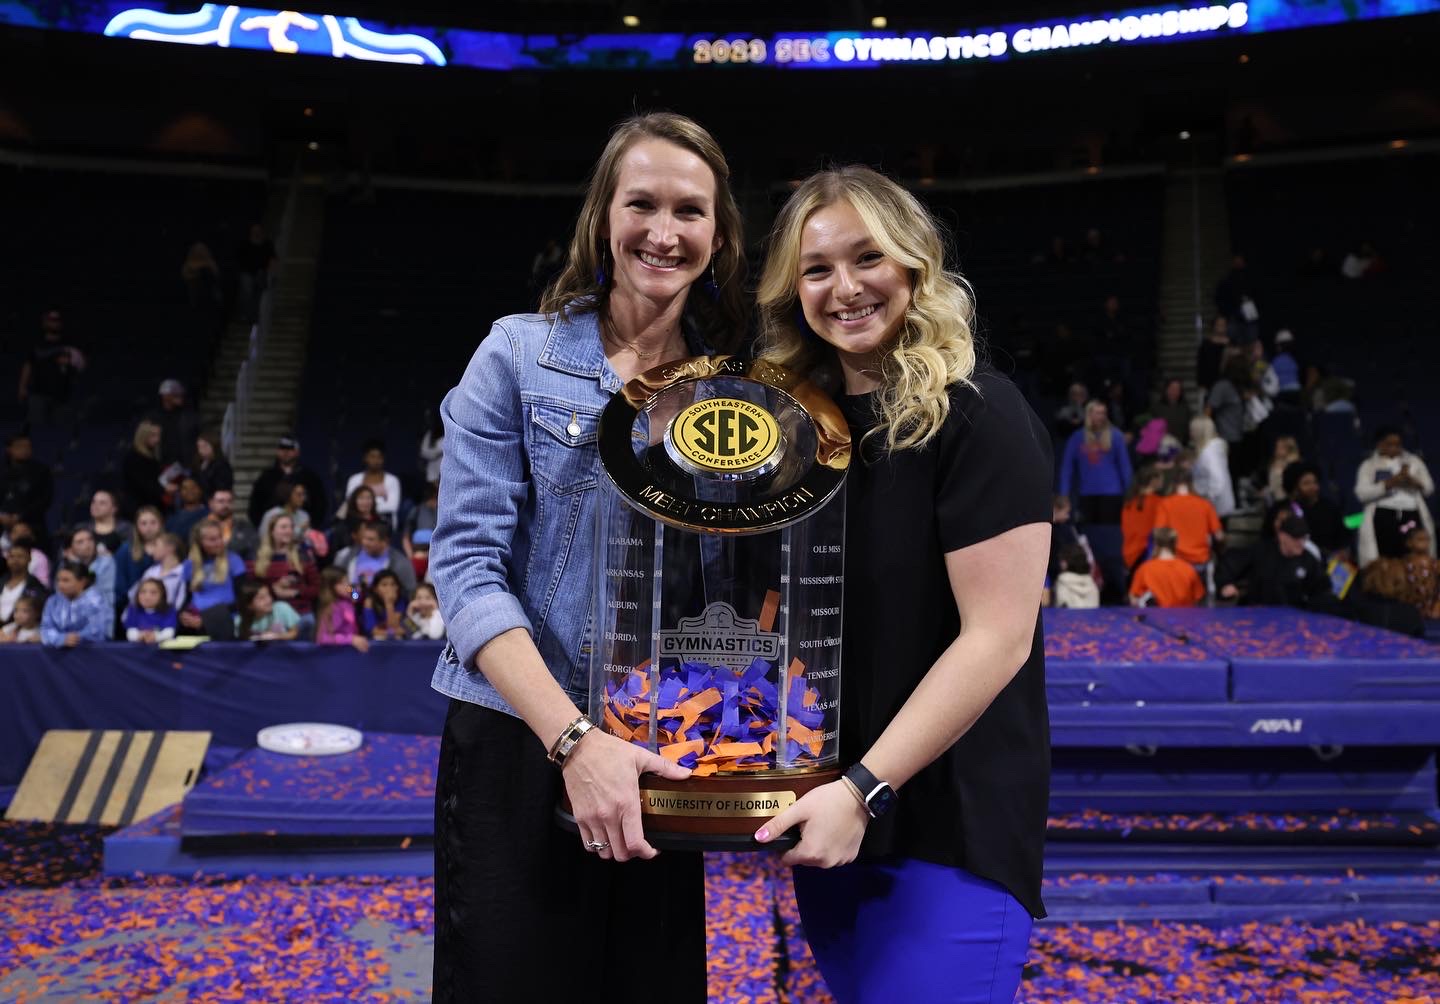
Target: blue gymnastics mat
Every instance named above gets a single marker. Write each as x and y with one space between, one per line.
385 788
1281 654
1108 655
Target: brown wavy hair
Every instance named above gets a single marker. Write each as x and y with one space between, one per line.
723 320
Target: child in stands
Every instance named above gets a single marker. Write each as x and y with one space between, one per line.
77 611
24 625
1165 580
384 617
425 612
1137 516
1075 587
262 617
149 619
335 612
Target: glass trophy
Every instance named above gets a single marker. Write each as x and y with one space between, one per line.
716 629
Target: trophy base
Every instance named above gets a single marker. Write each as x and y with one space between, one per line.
715 813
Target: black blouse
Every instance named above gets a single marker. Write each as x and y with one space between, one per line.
982 804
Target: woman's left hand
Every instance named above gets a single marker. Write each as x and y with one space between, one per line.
832 823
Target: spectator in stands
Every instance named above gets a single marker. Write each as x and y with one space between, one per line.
1063 361
374 555
1413 579
179 425
1278 571
1062 533
383 616
169 570
1287 452
1113 344
26 486
424 612
1235 301
1303 497
76 612
212 571
432 448
1165 580
1227 409
47 377
209 466
1070 417
24 626
1393 484
141 471
1287 369
288 568
356 511
290 501
1174 409
254 264
1096 467
111 532
1362 262
287 467
135 555
386 486
240 536
1211 352
81 548
262 617
421 520
201 276
1193 518
18 579
335 612
39 561
190 508
1075 586
1137 516
1059 254
149 619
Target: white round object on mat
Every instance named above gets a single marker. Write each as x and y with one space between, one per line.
309 739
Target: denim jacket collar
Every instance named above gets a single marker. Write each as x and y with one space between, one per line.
573 346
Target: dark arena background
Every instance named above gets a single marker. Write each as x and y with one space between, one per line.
283 232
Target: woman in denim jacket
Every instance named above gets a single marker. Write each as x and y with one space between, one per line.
524 910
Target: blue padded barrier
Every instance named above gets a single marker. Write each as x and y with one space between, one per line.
1367 723
1226 780
231 689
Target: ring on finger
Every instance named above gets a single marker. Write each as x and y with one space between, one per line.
596 845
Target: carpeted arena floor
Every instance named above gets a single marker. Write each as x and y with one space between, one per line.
67 934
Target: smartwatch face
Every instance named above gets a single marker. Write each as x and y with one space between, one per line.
881 800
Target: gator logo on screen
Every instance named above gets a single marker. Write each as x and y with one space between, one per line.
724 434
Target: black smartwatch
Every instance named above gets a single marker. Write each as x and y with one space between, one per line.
878 796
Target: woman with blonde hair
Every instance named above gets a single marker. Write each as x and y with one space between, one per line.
284 564
653 275
936 829
1212 465
212 572
141 470
1095 467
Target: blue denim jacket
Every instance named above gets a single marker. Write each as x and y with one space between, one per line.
514 541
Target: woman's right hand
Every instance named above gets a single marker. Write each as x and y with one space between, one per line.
602 780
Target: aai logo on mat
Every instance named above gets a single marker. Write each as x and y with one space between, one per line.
230 27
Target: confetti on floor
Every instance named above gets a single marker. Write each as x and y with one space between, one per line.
68 934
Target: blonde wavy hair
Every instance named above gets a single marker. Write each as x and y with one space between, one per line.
141 440
588 275
935 348
265 553
220 571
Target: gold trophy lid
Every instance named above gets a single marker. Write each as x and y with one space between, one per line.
720 444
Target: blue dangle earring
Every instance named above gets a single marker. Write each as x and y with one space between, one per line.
601 277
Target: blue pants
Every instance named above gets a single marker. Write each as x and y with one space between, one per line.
907 930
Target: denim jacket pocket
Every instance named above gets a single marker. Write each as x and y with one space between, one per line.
563 451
